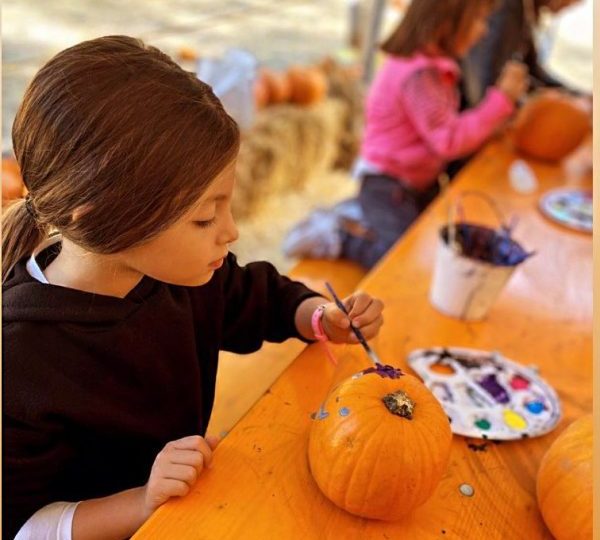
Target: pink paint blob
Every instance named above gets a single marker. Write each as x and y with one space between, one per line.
519 383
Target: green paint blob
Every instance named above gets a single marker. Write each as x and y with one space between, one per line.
483 424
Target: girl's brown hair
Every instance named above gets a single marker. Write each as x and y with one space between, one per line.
116 130
433 22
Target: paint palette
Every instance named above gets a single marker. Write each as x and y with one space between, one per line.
569 207
486 395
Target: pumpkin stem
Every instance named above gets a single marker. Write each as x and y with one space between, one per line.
399 403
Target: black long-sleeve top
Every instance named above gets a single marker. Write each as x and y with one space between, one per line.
94 386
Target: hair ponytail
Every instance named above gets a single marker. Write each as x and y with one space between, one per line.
21 233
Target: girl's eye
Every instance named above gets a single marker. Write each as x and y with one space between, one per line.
205 224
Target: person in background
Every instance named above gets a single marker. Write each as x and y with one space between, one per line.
413 127
510 36
112 327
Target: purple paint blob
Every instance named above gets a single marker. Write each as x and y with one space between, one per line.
385 371
494 388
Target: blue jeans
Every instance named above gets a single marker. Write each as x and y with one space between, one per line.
389 208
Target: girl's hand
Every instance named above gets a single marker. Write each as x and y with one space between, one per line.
513 80
365 314
176 469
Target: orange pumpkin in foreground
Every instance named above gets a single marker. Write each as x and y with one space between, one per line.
550 126
564 483
380 444
308 85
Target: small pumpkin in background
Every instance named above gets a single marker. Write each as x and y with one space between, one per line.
12 183
564 482
187 53
261 92
550 126
278 86
308 85
380 444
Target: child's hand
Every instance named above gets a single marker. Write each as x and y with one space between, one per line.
176 469
513 80
365 314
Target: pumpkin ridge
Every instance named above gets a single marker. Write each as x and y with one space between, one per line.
359 461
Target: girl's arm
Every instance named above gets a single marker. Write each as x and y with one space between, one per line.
430 104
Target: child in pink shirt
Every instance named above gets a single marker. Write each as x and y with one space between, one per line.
413 125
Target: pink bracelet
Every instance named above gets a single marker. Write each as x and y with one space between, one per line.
319 332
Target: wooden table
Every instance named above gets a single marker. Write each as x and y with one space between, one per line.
260 486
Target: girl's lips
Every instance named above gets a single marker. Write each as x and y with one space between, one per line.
217 264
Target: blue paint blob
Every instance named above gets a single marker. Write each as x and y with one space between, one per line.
344 411
535 407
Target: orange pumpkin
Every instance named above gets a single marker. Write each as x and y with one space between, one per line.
380 444
12 183
278 86
187 53
261 92
564 482
550 126
308 85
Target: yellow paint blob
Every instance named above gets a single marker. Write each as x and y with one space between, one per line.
514 420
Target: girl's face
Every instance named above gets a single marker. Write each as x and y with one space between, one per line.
472 35
189 252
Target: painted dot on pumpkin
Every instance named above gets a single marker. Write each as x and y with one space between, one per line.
466 490
514 420
482 423
535 407
344 411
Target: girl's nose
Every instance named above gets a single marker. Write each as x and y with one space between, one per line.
229 233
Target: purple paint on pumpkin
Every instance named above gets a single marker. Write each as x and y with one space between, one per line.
385 371
519 382
494 388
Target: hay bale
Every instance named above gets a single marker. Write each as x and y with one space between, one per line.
285 147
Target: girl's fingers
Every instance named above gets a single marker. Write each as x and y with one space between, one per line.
371 314
174 488
213 441
361 302
369 331
183 473
193 458
194 442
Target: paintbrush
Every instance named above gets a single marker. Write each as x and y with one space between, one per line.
372 355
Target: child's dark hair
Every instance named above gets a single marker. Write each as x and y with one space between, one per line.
115 131
436 22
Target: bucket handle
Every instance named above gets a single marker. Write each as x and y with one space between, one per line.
455 208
